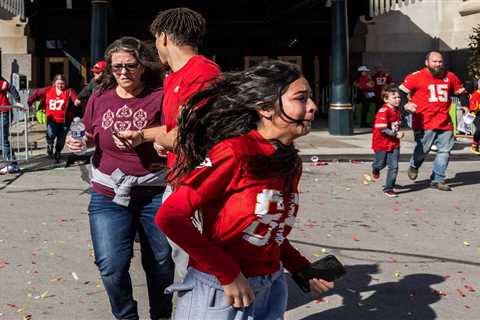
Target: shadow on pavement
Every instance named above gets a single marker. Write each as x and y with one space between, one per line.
408 298
460 179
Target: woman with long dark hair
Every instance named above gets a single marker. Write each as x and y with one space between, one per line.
237 164
127 183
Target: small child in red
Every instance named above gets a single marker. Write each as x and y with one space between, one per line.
386 139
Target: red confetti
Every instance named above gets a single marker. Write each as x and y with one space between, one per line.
460 292
446 276
396 209
11 305
439 293
392 259
320 300
355 161
3 264
467 307
418 209
469 288
354 238
321 163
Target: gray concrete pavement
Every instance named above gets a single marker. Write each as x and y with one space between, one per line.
413 257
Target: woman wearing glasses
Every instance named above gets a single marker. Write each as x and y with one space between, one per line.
127 184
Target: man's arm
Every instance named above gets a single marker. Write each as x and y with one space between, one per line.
405 99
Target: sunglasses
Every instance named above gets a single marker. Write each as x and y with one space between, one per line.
130 67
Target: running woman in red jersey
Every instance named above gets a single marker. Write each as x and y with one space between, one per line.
430 90
58 100
236 163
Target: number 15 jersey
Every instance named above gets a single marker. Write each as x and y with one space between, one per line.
433 99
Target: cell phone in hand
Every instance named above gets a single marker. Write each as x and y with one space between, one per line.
122 140
328 268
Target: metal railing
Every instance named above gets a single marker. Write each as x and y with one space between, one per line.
15 120
379 7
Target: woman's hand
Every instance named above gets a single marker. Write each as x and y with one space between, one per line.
238 293
128 139
400 135
76 145
319 286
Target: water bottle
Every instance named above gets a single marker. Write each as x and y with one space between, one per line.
77 130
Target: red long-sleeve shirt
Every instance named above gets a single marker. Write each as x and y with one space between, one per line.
246 219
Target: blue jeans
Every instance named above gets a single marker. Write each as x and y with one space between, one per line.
389 159
113 230
201 297
8 154
59 131
444 141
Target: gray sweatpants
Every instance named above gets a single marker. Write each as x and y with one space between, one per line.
201 297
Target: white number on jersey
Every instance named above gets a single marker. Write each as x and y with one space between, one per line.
438 93
56 105
269 210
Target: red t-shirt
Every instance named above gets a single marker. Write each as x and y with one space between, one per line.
3 96
386 118
433 99
246 219
109 111
365 83
475 101
180 85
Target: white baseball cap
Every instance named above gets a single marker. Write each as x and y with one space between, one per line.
363 68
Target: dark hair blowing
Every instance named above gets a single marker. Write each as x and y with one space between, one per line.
183 26
229 108
152 76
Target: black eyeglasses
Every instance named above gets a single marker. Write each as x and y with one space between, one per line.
130 67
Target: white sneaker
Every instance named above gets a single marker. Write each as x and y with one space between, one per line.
434 148
11 168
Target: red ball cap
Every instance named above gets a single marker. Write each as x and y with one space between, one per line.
98 67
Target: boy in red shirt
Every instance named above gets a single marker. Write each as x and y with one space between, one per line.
386 139
475 108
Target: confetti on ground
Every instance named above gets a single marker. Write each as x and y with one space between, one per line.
11 305
367 177
467 243
314 159
74 275
3 264
320 300
460 292
469 288
43 295
354 238
440 293
397 274
365 182
392 259
321 163
467 306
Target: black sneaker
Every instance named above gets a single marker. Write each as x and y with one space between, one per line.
440 186
412 173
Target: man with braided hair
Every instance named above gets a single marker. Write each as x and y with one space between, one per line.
178 33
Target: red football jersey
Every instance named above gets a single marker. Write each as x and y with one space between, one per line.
248 218
365 83
433 99
386 118
56 104
475 101
3 96
180 85
381 79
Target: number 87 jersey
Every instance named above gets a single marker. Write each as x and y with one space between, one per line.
433 98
